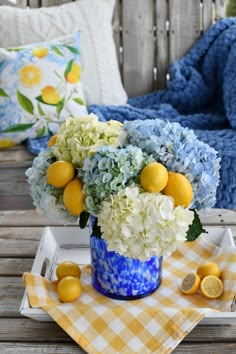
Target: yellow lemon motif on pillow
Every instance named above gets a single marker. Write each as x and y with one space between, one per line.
40 52
50 95
74 75
30 75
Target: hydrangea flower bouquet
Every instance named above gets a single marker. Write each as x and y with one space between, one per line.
108 159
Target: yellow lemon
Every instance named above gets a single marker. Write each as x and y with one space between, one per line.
30 75
52 140
211 287
74 75
69 289
179 187
73 197
5 143
75 69
209 268
72 78
60 173
190 284
50 95
67 268
40 52
154 177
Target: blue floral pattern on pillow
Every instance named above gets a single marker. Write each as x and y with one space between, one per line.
40 87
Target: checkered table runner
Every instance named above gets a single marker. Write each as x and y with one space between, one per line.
154 324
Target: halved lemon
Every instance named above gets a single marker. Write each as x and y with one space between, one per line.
190 284
211 287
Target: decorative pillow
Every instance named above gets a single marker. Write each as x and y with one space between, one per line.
101 77
40 87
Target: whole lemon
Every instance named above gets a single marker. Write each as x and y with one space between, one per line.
69 289
179 187
68 268
40 52
73 197
52 140
60 173
154 177
209 268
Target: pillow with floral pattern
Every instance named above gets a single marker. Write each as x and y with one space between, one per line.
40 87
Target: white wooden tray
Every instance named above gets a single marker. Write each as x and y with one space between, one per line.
71 243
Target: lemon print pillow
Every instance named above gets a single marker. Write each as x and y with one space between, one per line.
40 87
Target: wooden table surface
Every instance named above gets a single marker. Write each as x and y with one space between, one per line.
20 232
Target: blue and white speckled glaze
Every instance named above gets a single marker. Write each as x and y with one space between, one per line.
121 277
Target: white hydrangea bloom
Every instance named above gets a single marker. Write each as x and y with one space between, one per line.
142 225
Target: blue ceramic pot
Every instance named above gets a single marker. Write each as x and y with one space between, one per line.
121 277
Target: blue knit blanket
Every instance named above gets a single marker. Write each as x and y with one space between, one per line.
201 95
201 91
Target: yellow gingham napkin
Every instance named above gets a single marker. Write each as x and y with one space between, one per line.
154 324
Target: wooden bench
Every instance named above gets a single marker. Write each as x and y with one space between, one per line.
149 35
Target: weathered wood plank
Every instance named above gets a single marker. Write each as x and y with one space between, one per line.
11 294
218 217
162 55
17 157
116 24
220 6
25 329
24 218
138 46
13 182
19 241
32 218
47 3
16 202
21 329
23 241
184 17
15 266
34 3
207 14
28 348
10 348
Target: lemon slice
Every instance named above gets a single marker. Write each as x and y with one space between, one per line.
190 284
211 287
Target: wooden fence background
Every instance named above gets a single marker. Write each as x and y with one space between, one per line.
151 34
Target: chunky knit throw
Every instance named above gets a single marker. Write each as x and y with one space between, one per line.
201 95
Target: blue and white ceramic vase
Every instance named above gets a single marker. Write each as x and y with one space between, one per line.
120 277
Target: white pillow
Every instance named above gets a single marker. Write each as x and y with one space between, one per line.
100 73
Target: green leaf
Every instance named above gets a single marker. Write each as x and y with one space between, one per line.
79 101
16 49
72 49
83 219
41 132
3 93
96 229
57 51
25 103
41 111
50 132
60 106
68 68
18 128
195 229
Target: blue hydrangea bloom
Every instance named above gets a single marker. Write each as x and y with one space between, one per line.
109 171
180 151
